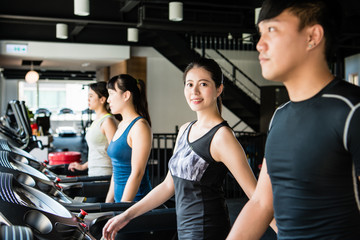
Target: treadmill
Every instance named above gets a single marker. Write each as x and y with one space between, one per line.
158 222
25 206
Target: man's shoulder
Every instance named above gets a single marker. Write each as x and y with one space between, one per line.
344 90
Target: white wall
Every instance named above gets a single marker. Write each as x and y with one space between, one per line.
246 61
167 105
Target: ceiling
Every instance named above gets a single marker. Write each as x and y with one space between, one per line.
35 20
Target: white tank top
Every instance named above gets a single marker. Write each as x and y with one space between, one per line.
99 162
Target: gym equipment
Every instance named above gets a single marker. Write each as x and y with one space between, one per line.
21 155
15 126
29 176
67 157
20 139
43 119
34 178
66 131
51 171
161 221
153 225
85 124
48 219
157 224
13 232
24 128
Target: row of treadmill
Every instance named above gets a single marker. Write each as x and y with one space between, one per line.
40 201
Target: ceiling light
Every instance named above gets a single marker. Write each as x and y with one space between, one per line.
81 7
31 76
61 31
132 34
175 11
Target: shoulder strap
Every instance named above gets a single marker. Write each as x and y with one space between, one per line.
104 117
202 146
131 124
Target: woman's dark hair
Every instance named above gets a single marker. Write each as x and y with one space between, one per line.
137 88
327 13
215 72
100 89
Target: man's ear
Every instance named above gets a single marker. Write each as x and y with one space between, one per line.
315 35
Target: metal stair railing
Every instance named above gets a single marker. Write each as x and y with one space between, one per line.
251 88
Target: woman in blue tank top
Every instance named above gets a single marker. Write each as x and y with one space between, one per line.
205 150
130 147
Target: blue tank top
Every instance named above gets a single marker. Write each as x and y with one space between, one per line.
120 154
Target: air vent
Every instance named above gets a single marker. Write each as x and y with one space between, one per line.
28 62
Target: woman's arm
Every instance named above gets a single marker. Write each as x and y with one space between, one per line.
233 156
226 148
140 139
108 128
153 199
77 166
110 194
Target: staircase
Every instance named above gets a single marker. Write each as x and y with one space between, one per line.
237 97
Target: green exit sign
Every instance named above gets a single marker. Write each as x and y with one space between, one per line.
16 48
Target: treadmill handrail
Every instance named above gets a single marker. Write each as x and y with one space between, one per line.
25 135
85 179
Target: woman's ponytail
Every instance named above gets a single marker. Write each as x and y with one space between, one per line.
142 106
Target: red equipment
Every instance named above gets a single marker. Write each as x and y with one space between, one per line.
67 157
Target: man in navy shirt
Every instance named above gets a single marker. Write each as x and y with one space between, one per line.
312 154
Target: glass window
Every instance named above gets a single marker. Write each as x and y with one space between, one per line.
54 95
57 95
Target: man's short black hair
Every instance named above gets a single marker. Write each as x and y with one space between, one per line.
327 13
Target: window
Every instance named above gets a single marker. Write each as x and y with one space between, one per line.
354 79
54 96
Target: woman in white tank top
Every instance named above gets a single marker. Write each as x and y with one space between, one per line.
99 134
